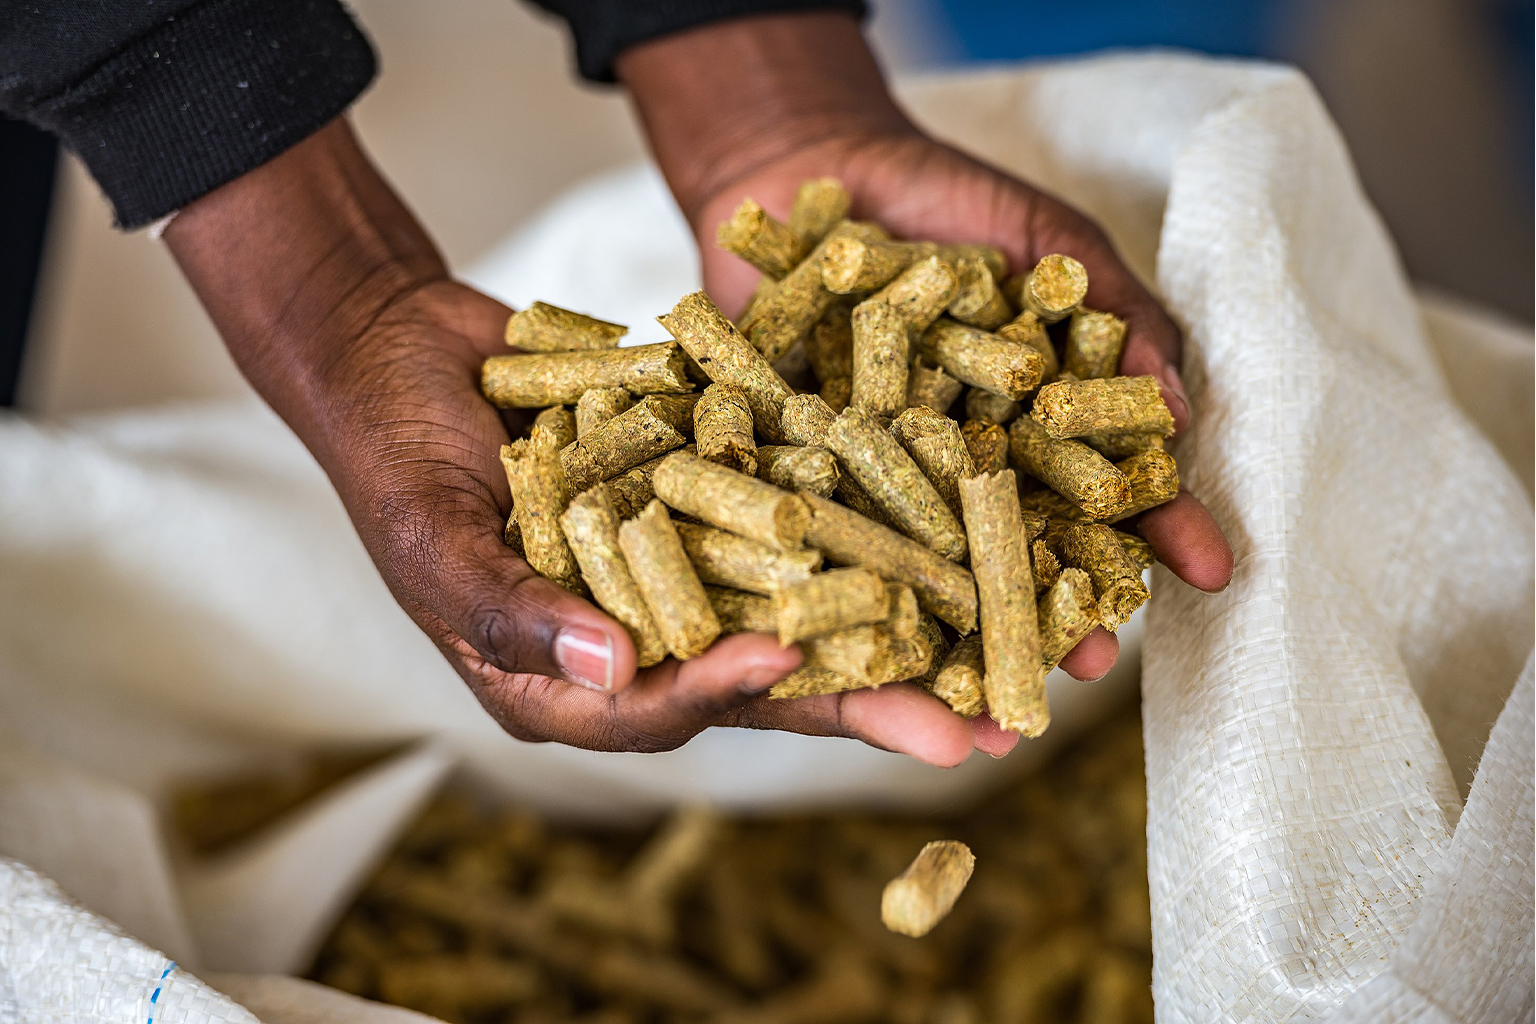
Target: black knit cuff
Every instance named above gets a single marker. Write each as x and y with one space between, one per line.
605 28
207 96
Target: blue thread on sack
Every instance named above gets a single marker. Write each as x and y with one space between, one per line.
155 996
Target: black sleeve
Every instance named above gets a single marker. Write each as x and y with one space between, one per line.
166 100
605 28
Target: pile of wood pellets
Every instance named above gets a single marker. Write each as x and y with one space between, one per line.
901 459
500 917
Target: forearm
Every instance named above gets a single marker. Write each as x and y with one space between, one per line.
293 261
721 100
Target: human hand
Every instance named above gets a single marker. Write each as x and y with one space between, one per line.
767 103
338 309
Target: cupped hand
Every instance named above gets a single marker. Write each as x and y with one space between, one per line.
340 312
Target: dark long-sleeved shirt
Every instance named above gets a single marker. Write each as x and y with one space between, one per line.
166 100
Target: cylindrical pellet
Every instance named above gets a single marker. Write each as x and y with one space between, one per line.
930 386
829 346
853 658
923 895
903 616
987 445
979 301
1096 549
921 293
820 205
984 405
597 406
539 495
722 428
807 418
983 360
960 678
733 501
1154 480
1052 290
795 468
879 465
1015 682
1115 447
1111 405
1070 468
1068 612
829 601
741 612
591 529
672 591
1026 329
545 328
537 380
728 358
1137 550
942 587
787 315
760 239
936 445
641 433
879 359
632 491
560 422
1094 343
852 265
726 560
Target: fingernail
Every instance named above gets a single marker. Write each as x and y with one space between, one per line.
585 657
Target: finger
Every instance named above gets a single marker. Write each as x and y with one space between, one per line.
1189 542
990 738
1093 657
900 717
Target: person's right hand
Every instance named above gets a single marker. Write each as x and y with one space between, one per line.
339 310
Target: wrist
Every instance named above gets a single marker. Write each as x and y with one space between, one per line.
725 99
296 258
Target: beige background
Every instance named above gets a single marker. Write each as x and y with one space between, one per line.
478 120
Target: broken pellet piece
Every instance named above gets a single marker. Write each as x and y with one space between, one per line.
935 443
1096 549
1052 290
923 895
1043 564
665 577
978 300
1015 683
807 418
829 601
647 429
597 406
797 468
1094 343
879 359
1027 329
732 501
942 587
537 380
885 471
1154 480
921 293
929 385
539 496
1068 612
1070 468
757 237
959 680
545 328
1109 405
728 358
982 359
560 422
591 529
722 428
726 560
987 445
820 205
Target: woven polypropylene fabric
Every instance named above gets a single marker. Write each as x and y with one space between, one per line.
60 963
